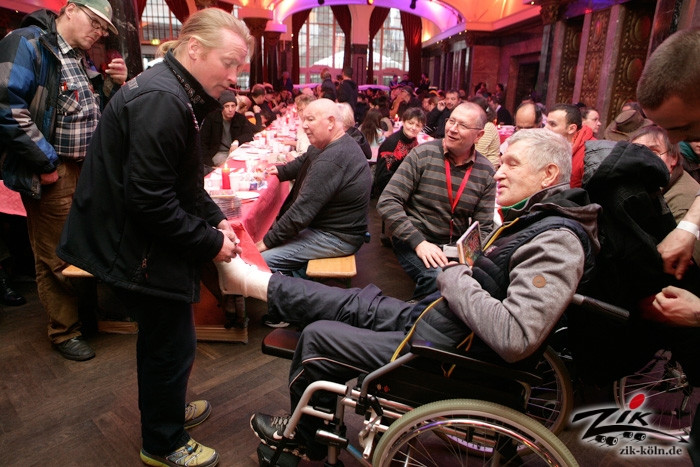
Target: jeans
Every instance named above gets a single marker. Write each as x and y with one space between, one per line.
425 278
307 245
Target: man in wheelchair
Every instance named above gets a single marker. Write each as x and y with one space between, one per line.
508 302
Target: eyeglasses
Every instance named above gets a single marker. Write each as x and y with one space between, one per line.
660 153
461 125
94 22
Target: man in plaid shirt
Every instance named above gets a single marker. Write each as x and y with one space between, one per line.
48 112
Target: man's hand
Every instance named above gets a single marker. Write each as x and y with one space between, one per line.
49 178
678 306
231 247
441 105
431 255
227 230
272 170
116 69
261 246
676 250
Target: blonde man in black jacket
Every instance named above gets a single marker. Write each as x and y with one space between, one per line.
142 223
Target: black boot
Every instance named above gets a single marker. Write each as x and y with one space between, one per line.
7 295
234 311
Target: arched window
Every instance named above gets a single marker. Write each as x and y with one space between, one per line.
321 45
158 22
390 55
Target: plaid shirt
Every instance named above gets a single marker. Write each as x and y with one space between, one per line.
78 105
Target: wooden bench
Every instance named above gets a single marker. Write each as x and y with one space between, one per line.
74 271
342 268
113 327
205 331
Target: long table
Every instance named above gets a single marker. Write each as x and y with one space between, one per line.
254 219
251 213
11 202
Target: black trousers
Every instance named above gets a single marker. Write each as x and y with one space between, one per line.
346 332
165 352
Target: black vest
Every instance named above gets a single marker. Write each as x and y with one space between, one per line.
492 270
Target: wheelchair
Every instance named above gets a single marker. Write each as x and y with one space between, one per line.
409 422
669 394
673 399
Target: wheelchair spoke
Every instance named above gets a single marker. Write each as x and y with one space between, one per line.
456 437
551 402
667 392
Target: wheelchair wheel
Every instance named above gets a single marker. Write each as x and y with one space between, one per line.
460 432
666 391
551 402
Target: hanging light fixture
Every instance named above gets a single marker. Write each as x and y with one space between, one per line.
413 5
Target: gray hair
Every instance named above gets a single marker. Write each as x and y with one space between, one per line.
302 100
347 116
544 147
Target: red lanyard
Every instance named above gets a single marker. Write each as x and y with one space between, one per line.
454 201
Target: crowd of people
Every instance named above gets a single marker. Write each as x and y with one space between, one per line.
137 165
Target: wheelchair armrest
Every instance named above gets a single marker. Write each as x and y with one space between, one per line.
281 343
447 355
589 303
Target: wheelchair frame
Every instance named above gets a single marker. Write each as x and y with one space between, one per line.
473 428
551 412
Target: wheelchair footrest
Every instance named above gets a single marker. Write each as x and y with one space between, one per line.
331 439
265 454
281 343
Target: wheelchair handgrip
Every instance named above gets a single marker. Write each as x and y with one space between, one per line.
612 311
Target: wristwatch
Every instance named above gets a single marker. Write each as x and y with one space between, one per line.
689 227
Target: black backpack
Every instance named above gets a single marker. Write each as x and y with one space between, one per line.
626 180
634 220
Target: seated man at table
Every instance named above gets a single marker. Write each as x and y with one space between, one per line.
263 113
301 101
421 213
508 301
224 130
328 217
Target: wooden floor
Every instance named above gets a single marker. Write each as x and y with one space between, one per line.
55 412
